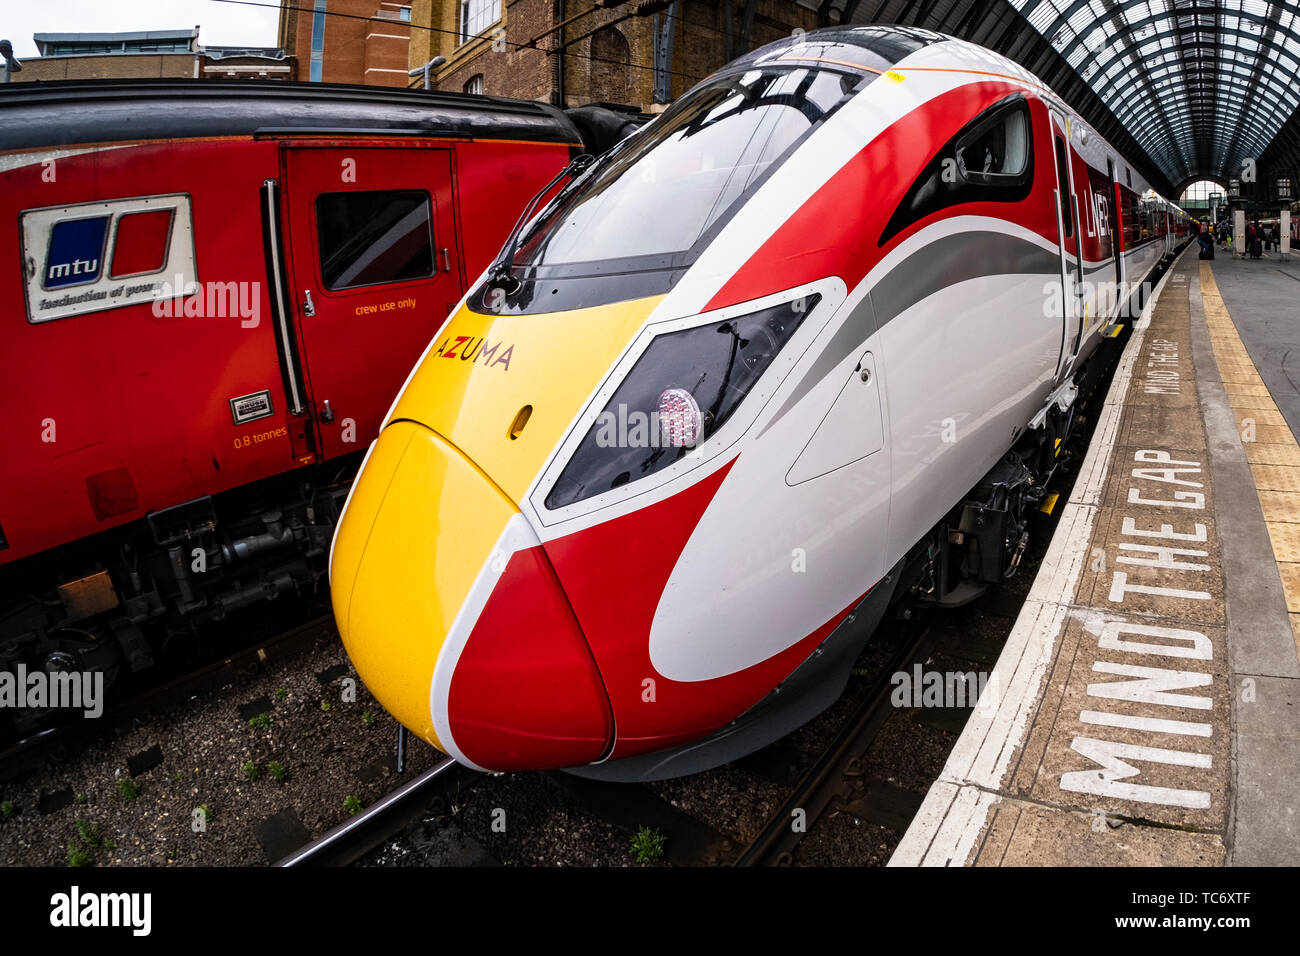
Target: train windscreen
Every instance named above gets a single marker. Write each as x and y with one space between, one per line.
660 197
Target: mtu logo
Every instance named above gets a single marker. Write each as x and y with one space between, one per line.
76 251
106 254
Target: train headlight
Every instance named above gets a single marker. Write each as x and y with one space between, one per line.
681 423
681 390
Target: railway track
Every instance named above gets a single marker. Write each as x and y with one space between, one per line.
354 838
25 753
836 782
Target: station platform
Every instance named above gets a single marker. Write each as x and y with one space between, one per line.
1146 707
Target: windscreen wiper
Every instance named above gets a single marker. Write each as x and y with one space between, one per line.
501 275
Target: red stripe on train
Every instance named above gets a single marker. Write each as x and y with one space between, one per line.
836 231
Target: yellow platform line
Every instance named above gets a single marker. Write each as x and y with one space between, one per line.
1271 448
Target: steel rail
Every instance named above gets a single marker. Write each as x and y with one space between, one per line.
357 836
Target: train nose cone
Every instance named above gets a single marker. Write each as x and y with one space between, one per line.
453 617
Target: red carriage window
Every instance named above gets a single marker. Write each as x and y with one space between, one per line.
1129 217
367 238
141 244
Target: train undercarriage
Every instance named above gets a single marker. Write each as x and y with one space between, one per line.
127 600
981 541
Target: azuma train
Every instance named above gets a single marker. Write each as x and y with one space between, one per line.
799 349
214 289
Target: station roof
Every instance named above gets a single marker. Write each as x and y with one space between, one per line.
1196 86
1203 85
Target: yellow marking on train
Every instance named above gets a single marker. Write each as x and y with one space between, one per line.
1049 503
484 368
1116 330
421 525
1056 450
893 76
443 479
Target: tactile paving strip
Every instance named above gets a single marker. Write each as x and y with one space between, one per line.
1271 448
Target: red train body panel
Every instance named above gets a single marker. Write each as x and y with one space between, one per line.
212 287
126 412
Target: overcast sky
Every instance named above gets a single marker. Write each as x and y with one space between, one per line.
222 24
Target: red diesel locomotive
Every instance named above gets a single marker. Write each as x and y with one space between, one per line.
213 291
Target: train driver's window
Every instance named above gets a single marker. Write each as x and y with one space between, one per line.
996 152
990 160
368 238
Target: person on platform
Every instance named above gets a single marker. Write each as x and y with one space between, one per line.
1206 240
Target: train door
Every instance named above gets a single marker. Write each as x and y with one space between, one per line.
1113 222
373 271
1070 247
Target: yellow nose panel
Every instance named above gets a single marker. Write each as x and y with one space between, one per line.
420 526
484 369
367 495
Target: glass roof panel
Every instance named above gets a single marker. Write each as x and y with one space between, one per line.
1201 82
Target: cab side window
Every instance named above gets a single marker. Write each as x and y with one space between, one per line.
990 160
1129 217
368 238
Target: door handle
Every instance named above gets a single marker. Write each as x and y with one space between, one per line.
308 306
327 413
446 260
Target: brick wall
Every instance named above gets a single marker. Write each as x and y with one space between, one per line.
612 64
365 42
506 70
149 66
287 31
387 48
107 67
